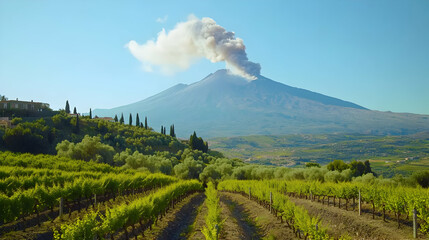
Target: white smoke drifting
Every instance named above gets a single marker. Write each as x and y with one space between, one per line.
190 41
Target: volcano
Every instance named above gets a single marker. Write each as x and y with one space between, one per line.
223 104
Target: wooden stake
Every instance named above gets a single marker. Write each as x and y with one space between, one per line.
250 193
359 204
414 223
61 206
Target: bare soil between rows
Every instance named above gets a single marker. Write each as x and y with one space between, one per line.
341 222
177 223
178 228
246 219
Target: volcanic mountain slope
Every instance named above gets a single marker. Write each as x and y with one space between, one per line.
223 104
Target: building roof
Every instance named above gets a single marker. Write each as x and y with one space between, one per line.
6 101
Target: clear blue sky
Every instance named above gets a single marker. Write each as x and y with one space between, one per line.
373 53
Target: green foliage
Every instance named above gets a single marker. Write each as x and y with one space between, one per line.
213 219
130 120
360 168
198 143
52 162
312 164
189 169
422 178
121 120
2 132
61 120
172 132
144 209
67 108
90 148
220 168
152 163
337 165
389 155
82 228
33 137
398 199
42 136
137 120
336 176
16 121
77 125
296 217
23 203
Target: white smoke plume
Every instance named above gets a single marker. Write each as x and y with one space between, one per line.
190 41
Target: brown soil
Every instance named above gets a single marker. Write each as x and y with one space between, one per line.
246 219
199 223
178 222
238 222
342 222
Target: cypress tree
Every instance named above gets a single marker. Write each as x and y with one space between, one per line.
192 139
90 113
172 133
162 129
197 143
122 119
130 120
116 118
67 107
206 147
141 125
367 167
74 110
145 122
77 127
137 120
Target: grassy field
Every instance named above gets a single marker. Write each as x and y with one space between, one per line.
388 155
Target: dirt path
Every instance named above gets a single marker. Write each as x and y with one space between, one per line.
238 222
341 221
199 223
177 224
245 219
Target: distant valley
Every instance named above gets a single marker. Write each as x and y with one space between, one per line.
388 155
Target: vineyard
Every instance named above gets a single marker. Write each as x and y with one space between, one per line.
52 197
55 197
93 148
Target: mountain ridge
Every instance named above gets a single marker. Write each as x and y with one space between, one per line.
223 104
